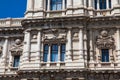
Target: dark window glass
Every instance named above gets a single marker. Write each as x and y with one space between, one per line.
16 61
109 3
46 4
102 4
45 55
56 5
54 53
105 55
63 49
95 4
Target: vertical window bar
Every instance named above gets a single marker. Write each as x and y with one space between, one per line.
46 4
62 56
45 55
95 4
109 3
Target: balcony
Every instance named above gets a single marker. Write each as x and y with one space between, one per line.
9 22
99 13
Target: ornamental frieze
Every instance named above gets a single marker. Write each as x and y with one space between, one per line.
105 41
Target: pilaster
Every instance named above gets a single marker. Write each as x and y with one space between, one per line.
116 7
91 7
69 7
69 46
26 49
30 9
38 8
81 59
91 63
4 56
118 46
38 49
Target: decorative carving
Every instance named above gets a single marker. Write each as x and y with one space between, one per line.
104 40
17 48
34 36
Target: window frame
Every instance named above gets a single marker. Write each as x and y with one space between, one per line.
45 53
14 61
105 55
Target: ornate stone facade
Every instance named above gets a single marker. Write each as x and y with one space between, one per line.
89 38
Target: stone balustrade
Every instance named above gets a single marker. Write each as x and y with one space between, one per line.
10 22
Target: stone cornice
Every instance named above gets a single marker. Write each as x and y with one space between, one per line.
28 22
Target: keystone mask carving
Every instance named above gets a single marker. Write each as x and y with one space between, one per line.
104 40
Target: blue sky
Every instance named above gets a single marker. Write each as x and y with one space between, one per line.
12 8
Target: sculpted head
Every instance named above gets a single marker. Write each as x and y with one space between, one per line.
17 41
104 33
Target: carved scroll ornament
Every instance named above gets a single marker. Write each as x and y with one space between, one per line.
17 48
105 41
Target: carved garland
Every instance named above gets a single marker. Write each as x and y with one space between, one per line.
104 41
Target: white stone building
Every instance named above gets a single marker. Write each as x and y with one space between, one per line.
62 40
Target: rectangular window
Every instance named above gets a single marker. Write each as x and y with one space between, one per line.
105 55
56 5
54 53
16 61
45 55
102 4
109 3
63 49
95 4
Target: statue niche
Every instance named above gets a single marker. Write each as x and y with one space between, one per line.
104 41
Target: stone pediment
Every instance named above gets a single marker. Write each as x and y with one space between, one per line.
104 41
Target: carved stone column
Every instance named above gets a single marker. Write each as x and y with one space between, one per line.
85 47
107 4
69 7
69 3
38 4
49 56
48 5
26 48
5 51
58 64
91 49
69 46
48 8
90 4
63 7
118 46
81 46
30 5
39 46
81 3
85 3
98 5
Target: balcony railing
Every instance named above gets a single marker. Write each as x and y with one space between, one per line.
103 12
10 22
